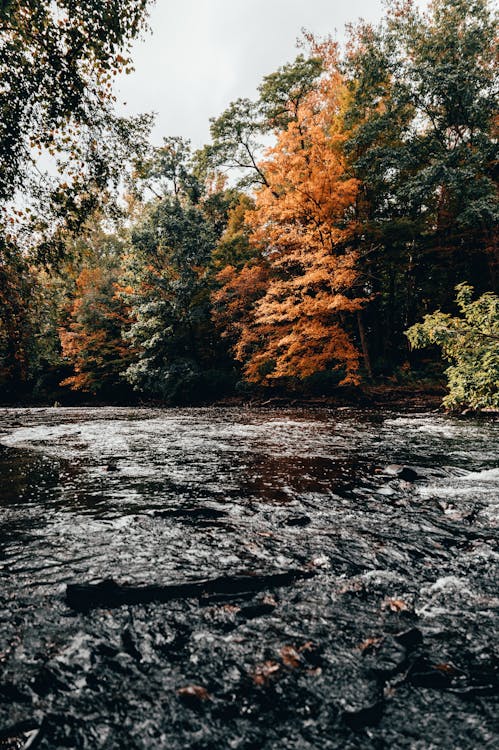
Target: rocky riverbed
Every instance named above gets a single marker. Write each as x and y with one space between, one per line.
248 578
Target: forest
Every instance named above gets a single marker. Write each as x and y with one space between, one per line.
339 230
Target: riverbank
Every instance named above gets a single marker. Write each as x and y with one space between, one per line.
414 397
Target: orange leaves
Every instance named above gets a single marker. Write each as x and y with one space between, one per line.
292 302
194 694
263 673
291 657
91 341
395 605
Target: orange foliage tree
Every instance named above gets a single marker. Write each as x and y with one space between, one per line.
92 340
294 321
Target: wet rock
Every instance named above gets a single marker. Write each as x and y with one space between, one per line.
389 658
85 596
10 692
366 716
298 520
129 641
50 680
402 472
270 687
192 513
256 610
410 639
424 673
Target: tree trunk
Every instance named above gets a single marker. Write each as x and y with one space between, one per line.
363 341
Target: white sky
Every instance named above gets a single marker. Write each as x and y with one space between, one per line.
203 54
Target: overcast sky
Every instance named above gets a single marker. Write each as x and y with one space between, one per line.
203 54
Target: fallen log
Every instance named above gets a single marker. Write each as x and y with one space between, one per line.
108 594
20 736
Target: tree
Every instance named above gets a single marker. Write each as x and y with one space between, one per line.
422 140
167 278
16 317
30 304
92 320
169 294
92 339
237 142
302 224
471 343
57 64
234 248
239 134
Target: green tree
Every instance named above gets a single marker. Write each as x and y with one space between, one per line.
240 134
30 305
471 343
57 64
423 142
167 278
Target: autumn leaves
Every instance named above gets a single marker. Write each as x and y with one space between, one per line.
293 301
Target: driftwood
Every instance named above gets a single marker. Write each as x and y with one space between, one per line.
109 594
20 736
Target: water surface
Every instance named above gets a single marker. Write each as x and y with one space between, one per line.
159 496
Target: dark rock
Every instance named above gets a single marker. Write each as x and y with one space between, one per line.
198 515
410 639
256 610
297 521
10 692
129 641
50 680
427 675
85 596
390 658
402 472
366 716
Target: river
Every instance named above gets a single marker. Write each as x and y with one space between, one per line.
388 639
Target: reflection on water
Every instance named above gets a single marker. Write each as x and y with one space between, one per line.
86 483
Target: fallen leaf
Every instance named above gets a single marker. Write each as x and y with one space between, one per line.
446 668
290 656
395 605
194 692
264 672
369 643
269 599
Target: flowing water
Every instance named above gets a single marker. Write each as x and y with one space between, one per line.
390 643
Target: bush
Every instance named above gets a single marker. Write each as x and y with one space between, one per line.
471 344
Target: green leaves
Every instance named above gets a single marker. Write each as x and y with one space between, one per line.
470 343
57 64
282 92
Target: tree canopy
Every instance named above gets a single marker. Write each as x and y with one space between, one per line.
61 144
